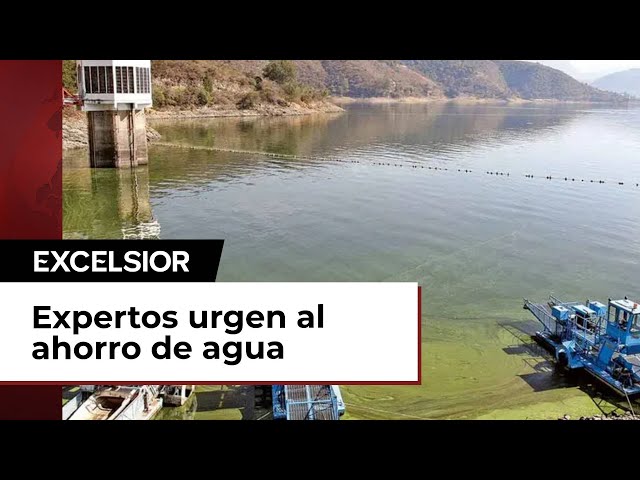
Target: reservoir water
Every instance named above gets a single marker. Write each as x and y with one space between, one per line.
477 243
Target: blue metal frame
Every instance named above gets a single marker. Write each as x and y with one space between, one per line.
282 406
278 400
598 340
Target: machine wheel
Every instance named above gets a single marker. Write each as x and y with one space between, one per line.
563 359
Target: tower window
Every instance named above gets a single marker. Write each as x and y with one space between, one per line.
109 75
119 79
131 84
95 86
87 80
102 81
124 80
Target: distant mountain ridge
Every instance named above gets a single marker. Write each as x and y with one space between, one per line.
440 79
530 80
508 79
485 79
624 82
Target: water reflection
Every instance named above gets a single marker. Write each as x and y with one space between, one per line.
106 203
431 127
438 135
287 135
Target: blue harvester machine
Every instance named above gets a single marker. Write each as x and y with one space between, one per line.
602 339
307 402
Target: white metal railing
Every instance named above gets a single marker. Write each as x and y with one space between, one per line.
71 406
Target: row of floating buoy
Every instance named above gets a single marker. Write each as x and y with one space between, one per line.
567 179
508 174
386 164
466 170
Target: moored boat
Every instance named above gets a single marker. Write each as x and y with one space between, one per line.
127 402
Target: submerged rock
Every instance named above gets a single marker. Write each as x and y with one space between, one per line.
152 134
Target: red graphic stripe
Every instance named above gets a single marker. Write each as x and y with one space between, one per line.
30 189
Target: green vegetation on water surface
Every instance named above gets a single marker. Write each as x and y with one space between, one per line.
471 376
212 402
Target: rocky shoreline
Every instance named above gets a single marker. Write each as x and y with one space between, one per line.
611 416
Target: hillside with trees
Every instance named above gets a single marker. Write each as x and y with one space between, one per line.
465 78
376 78
229 85
262 87
301 86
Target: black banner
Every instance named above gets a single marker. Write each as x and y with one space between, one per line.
111 260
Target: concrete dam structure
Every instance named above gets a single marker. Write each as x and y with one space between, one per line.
114 93
117 138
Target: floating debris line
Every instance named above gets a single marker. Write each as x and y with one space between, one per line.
288 156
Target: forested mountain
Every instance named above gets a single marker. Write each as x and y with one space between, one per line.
464 78
376 78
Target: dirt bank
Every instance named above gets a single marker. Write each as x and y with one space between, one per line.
267 110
